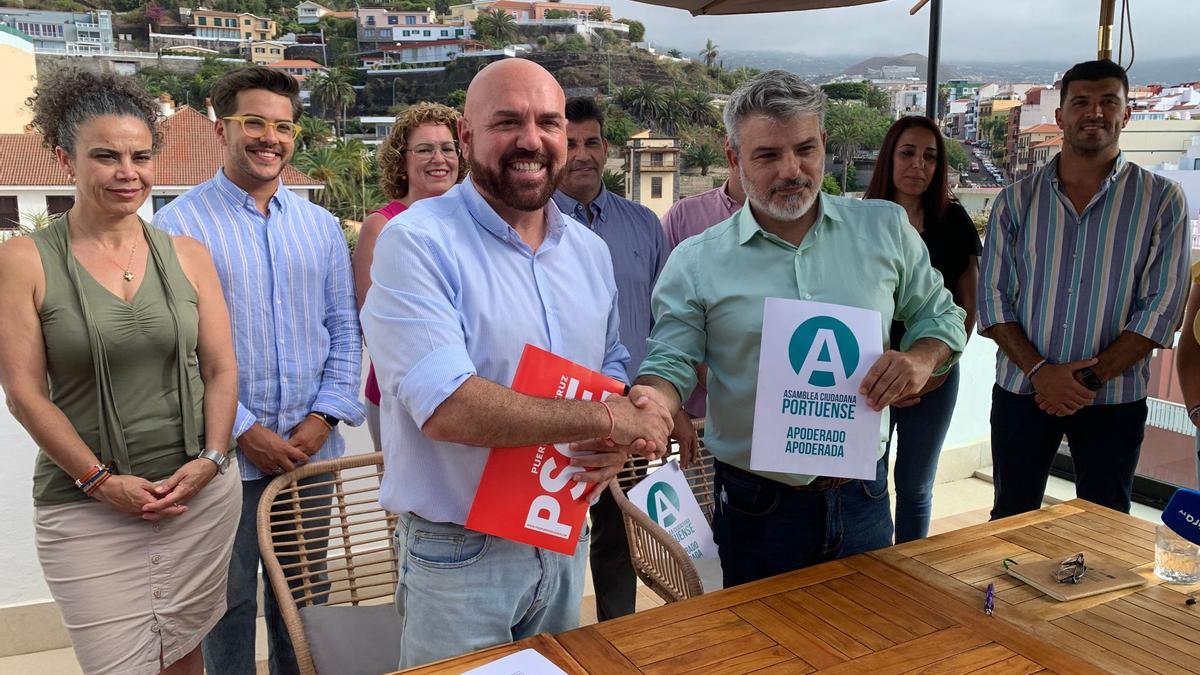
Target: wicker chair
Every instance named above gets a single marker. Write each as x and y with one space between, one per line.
361 566
659 560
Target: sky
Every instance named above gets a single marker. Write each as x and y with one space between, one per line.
972 30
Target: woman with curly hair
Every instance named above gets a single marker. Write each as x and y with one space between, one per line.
419 159
119 362
911 172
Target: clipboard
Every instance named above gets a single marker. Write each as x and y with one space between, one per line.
1103 575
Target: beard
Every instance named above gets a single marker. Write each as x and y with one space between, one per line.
522 194
792 207
1077 138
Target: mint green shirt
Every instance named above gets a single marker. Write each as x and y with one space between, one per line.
708 304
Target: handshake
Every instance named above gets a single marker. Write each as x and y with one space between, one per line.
641 425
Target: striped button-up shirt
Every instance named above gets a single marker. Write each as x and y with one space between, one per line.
635 240
1075 281
287 283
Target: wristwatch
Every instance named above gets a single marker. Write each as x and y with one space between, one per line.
1088 378
216 457
329 419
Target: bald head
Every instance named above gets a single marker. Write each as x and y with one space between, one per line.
513 134
508 75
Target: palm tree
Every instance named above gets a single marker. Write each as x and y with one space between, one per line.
357 157
702 155
314 131
614 182
675 53
700 110
333 90
644 102
328 165
709 53
496 27
600 14
848 127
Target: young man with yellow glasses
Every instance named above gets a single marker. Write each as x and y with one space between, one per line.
285 270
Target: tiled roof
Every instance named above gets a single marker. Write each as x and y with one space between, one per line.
297 63
1041 129
1050 142
190 155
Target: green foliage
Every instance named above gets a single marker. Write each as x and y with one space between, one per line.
559 14
710 53
865 92
333 91
314 131
614 182
851 177
350 175
637 29
495 28
853 127
574 43
600 14
335 27
956 156
618 127
703 156
830 185
457 99
675 53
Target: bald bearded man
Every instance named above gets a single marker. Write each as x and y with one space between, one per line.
460 284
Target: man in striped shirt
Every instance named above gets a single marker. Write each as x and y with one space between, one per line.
1084 274
285 270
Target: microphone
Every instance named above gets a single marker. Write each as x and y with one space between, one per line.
1182 514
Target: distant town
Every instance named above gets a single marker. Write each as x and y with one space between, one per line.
359 65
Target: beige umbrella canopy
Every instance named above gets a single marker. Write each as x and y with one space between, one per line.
697 7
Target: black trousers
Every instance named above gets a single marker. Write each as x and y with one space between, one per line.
1104 440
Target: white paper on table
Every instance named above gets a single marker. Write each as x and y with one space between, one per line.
808 415
666 497
524 662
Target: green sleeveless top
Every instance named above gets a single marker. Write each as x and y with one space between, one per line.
124 373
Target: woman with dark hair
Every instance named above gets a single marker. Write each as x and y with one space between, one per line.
911 171
118 361
418 159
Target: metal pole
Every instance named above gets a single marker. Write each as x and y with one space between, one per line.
935 43
1104 35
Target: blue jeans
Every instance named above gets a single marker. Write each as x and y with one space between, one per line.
764 528
922 430
1105 442
229 647
461 590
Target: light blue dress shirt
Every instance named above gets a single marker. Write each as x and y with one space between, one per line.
290 294
455 292
638 249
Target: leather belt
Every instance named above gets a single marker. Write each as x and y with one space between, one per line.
818 484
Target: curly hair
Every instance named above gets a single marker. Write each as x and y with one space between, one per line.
392 177
67 98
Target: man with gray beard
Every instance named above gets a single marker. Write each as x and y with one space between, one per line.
791 241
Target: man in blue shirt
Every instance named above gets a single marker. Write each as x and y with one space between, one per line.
469 279
638 247
285 270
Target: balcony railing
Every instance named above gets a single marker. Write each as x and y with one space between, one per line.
1170 416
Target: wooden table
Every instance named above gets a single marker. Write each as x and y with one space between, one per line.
1147 629
910 608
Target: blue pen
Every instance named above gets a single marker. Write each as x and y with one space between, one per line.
989 600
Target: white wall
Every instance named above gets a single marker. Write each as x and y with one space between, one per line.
22 576
977 374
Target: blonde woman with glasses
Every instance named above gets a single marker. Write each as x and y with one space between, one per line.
418 159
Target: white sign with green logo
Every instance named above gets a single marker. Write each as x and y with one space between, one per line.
666 497
808 415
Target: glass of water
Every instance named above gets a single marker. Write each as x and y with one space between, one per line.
1176 559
